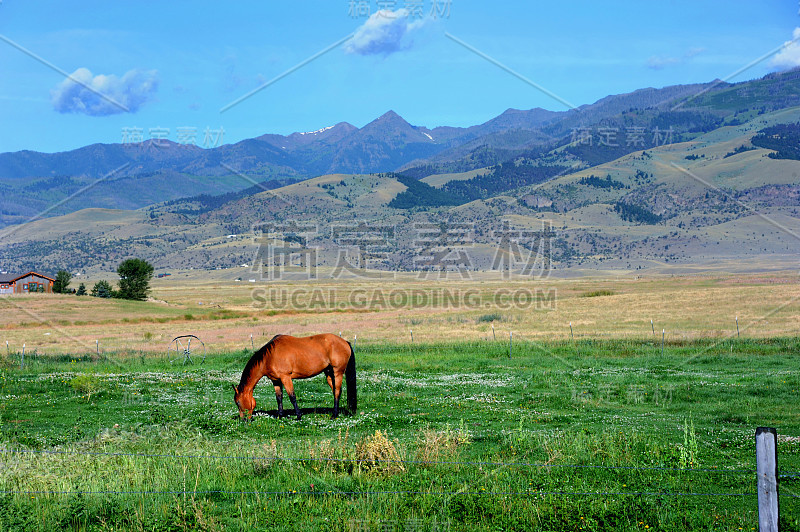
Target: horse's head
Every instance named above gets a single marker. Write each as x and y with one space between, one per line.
245 401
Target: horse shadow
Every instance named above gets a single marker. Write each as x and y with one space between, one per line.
290 412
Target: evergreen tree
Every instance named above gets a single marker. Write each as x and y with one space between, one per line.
102 289
81 290
61 283
134 279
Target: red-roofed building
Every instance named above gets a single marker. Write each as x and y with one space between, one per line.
11 283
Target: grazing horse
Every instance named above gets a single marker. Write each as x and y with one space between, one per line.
285 358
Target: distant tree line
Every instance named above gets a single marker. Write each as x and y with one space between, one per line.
740 149
501 178
209 202
480 157
784 139
420 194
635 213
134 282
59 181
597 182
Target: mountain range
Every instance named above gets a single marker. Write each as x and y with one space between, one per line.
648 177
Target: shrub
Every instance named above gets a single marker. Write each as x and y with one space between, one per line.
85 384
486 318
598 293
378 454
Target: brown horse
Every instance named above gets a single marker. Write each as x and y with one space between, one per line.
285 358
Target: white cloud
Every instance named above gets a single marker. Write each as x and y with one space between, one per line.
657 62
789 56
691 52
103 95
385 32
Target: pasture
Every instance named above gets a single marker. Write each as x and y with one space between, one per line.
601 429
585 435
225 313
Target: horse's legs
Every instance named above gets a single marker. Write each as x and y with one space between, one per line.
329 375
287 383
337 391
279 397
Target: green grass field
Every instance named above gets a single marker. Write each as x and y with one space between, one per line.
591 435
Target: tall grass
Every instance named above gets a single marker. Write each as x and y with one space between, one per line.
599 435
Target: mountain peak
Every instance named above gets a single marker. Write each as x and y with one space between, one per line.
389 123
389 116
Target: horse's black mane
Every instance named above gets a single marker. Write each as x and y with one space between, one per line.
257 357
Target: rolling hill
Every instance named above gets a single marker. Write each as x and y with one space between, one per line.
136 175
707 207
706 194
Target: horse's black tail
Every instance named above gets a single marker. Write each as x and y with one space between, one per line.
350 380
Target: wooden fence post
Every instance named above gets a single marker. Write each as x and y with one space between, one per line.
767 472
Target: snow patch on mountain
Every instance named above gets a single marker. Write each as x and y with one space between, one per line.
317 131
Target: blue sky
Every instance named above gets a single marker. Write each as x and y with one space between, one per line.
171 65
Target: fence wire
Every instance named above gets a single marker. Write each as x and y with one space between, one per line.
393 492
379 461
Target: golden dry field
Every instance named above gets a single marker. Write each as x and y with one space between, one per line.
225 313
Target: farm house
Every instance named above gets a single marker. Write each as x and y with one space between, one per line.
11 283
